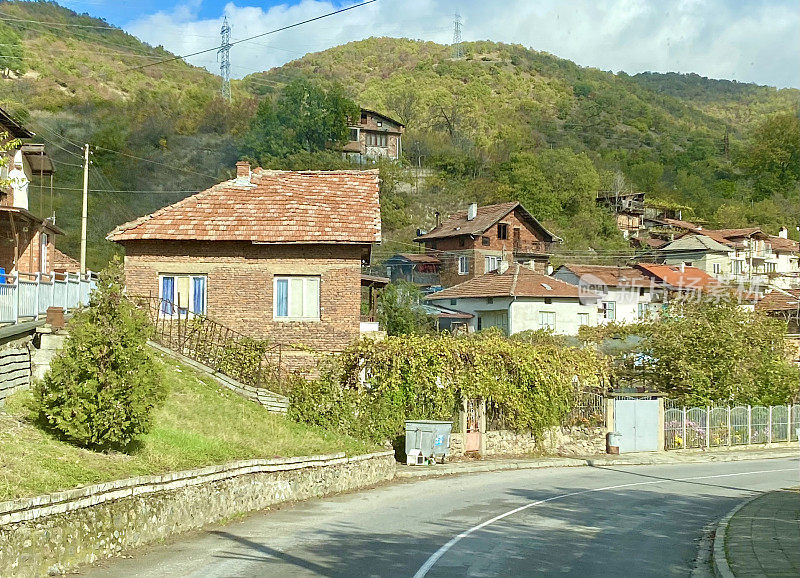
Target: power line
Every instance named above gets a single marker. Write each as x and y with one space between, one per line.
282 28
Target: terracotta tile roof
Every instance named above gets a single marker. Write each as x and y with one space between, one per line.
457 224
690 278
733 233
517 281
689 226
610 275
64 263
784 245
779 301
276 207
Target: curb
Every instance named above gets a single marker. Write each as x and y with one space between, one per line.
719 560
557 462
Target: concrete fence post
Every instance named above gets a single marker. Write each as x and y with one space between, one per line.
15 301
730 433
788 422
683 426
769 426
708 426
36 301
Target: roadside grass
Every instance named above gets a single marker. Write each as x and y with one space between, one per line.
201 423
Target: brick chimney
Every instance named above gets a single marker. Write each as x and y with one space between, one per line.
243 173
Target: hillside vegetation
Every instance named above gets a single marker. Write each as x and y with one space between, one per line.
502 122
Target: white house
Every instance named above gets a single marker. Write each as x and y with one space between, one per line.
626 294
519 299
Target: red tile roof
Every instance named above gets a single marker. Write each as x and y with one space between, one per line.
275 207
690 278
784 245
458 224
610 275
517 281
779 301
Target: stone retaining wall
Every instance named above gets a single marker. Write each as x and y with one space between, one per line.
57 532
15 367
563 441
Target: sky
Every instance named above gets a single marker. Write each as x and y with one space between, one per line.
744 40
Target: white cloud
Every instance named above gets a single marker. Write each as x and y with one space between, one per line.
749 42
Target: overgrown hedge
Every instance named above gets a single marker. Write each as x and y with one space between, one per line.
370 389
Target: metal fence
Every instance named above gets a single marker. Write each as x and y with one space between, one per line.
715 426
27 296
589 409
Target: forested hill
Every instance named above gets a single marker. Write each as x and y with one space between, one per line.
502 122
683 138
72 79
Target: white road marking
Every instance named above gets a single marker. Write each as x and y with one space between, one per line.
429 563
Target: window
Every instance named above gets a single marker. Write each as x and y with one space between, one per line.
462 242
609 310
641 310
769 267
687 263
463 265
502 231
736 267
485 241
379 123
354 134
491 263
296 298
547 320
641 291
376 139
490 300
716 268
183 294
583 319
453 301
548 300
43 253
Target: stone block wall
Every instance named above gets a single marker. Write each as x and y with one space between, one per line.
563 441
58 532
15 367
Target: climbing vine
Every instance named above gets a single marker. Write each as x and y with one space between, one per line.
371 388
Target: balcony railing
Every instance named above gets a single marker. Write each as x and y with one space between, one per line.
27 296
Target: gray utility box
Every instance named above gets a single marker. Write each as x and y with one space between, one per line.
426 439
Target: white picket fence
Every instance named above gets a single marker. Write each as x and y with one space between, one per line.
27 296
715 426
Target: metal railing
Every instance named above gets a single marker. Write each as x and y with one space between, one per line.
589 409
253 362
716 426
27 296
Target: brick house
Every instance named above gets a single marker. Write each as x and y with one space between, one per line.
374 135
476 241
27 240
272 254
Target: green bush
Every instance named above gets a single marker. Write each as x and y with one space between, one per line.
102 387
374 386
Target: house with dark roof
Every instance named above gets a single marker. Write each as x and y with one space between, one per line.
272 254
782 304
517 298
418 268
372 136
627 295
478 240
701 251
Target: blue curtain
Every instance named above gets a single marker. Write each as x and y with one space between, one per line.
199 295
167 294
282 298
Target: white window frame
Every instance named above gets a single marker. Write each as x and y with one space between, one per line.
183 310
613 307
491 263
548 322
358 134
463 265
307 282
716 268
583 319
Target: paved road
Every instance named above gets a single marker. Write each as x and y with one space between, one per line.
625 521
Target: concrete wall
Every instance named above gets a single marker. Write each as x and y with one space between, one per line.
58 532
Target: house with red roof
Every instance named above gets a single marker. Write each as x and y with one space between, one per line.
517 298
272 254
478 240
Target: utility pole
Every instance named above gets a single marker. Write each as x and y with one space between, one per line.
225 59
457 52
85 209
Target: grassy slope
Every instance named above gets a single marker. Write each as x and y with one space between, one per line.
201 423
